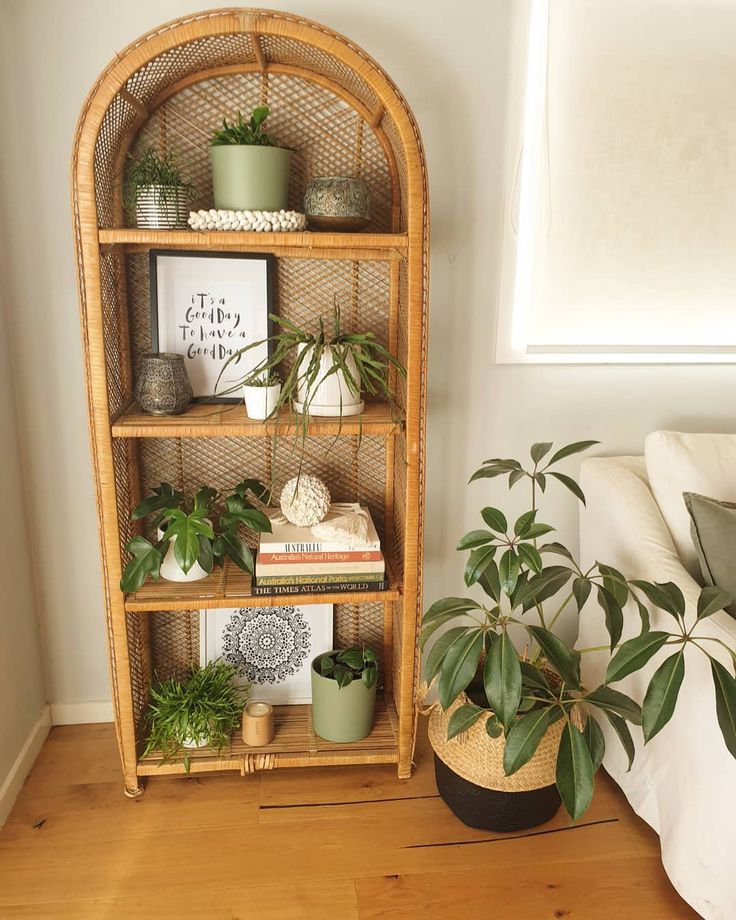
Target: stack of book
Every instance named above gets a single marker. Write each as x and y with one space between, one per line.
291 561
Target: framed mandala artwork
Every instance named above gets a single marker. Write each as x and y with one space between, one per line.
272 647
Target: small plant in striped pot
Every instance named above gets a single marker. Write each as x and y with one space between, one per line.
154 194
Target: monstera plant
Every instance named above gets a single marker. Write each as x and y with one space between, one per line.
502 658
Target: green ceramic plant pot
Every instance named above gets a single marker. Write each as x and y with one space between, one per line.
246 178
341 714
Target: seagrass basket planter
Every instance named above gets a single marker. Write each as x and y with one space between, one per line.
341 114
472 782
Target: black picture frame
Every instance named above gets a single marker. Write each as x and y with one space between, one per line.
269 263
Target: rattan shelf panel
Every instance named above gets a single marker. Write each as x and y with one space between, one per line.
231 587
295 745
231 420
307 245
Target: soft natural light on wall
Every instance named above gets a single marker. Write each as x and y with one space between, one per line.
620 241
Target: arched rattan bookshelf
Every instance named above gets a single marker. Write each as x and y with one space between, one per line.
342 114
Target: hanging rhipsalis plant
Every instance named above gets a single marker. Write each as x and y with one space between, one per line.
530 676
324 372
202 532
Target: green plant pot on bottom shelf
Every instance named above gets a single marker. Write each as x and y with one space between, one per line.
342 713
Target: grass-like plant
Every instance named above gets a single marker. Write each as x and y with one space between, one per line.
203 709
206 530
355 663
530 676
263 379
149 169
244 133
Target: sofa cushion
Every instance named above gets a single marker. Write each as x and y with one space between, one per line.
713 526
678 463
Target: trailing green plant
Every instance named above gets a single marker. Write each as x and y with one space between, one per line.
244 133
355 663
204 708
532 679
149 169
206 530
300 353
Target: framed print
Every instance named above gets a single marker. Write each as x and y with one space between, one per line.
272 647
206 306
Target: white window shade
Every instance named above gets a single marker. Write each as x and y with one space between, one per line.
621 226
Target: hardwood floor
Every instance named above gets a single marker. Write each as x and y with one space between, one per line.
342 843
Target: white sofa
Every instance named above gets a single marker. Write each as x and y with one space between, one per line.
683 783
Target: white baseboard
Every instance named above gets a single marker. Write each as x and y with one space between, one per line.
81 713
13 782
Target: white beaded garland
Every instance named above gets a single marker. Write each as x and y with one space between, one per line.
260 221
305 500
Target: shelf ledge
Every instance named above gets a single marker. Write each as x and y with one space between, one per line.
231 587
295 744
230 420
305 245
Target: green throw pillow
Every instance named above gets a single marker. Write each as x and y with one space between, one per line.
713 528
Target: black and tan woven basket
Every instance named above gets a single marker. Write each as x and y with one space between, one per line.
472 782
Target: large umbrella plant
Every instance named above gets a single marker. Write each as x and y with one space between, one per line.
531 676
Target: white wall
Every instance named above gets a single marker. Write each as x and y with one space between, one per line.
23 718
451 65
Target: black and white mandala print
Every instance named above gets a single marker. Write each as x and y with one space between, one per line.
268 645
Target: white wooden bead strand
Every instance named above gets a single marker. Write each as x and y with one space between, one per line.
259 221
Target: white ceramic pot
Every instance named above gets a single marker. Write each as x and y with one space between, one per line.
194 742
329 396
172 571
261 401
159 208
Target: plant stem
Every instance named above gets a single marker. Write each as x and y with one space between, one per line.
557 615
697 639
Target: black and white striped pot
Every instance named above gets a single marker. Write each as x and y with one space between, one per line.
160 207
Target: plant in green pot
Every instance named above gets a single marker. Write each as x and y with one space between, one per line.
154 194
203 710
514 730
249 172
191 537
344 693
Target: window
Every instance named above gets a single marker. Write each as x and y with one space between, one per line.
620 242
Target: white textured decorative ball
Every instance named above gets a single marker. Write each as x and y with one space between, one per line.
305 500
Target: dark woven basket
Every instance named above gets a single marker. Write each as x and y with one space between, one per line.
491 810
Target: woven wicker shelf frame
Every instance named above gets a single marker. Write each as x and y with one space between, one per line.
342 114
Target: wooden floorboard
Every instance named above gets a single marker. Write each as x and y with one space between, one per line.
352 843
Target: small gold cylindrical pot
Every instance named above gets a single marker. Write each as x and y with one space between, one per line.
258 727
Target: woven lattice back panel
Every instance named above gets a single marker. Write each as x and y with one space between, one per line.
327 135
353 471
116 332
304 290
174 637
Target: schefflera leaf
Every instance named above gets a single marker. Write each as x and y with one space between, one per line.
575 772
